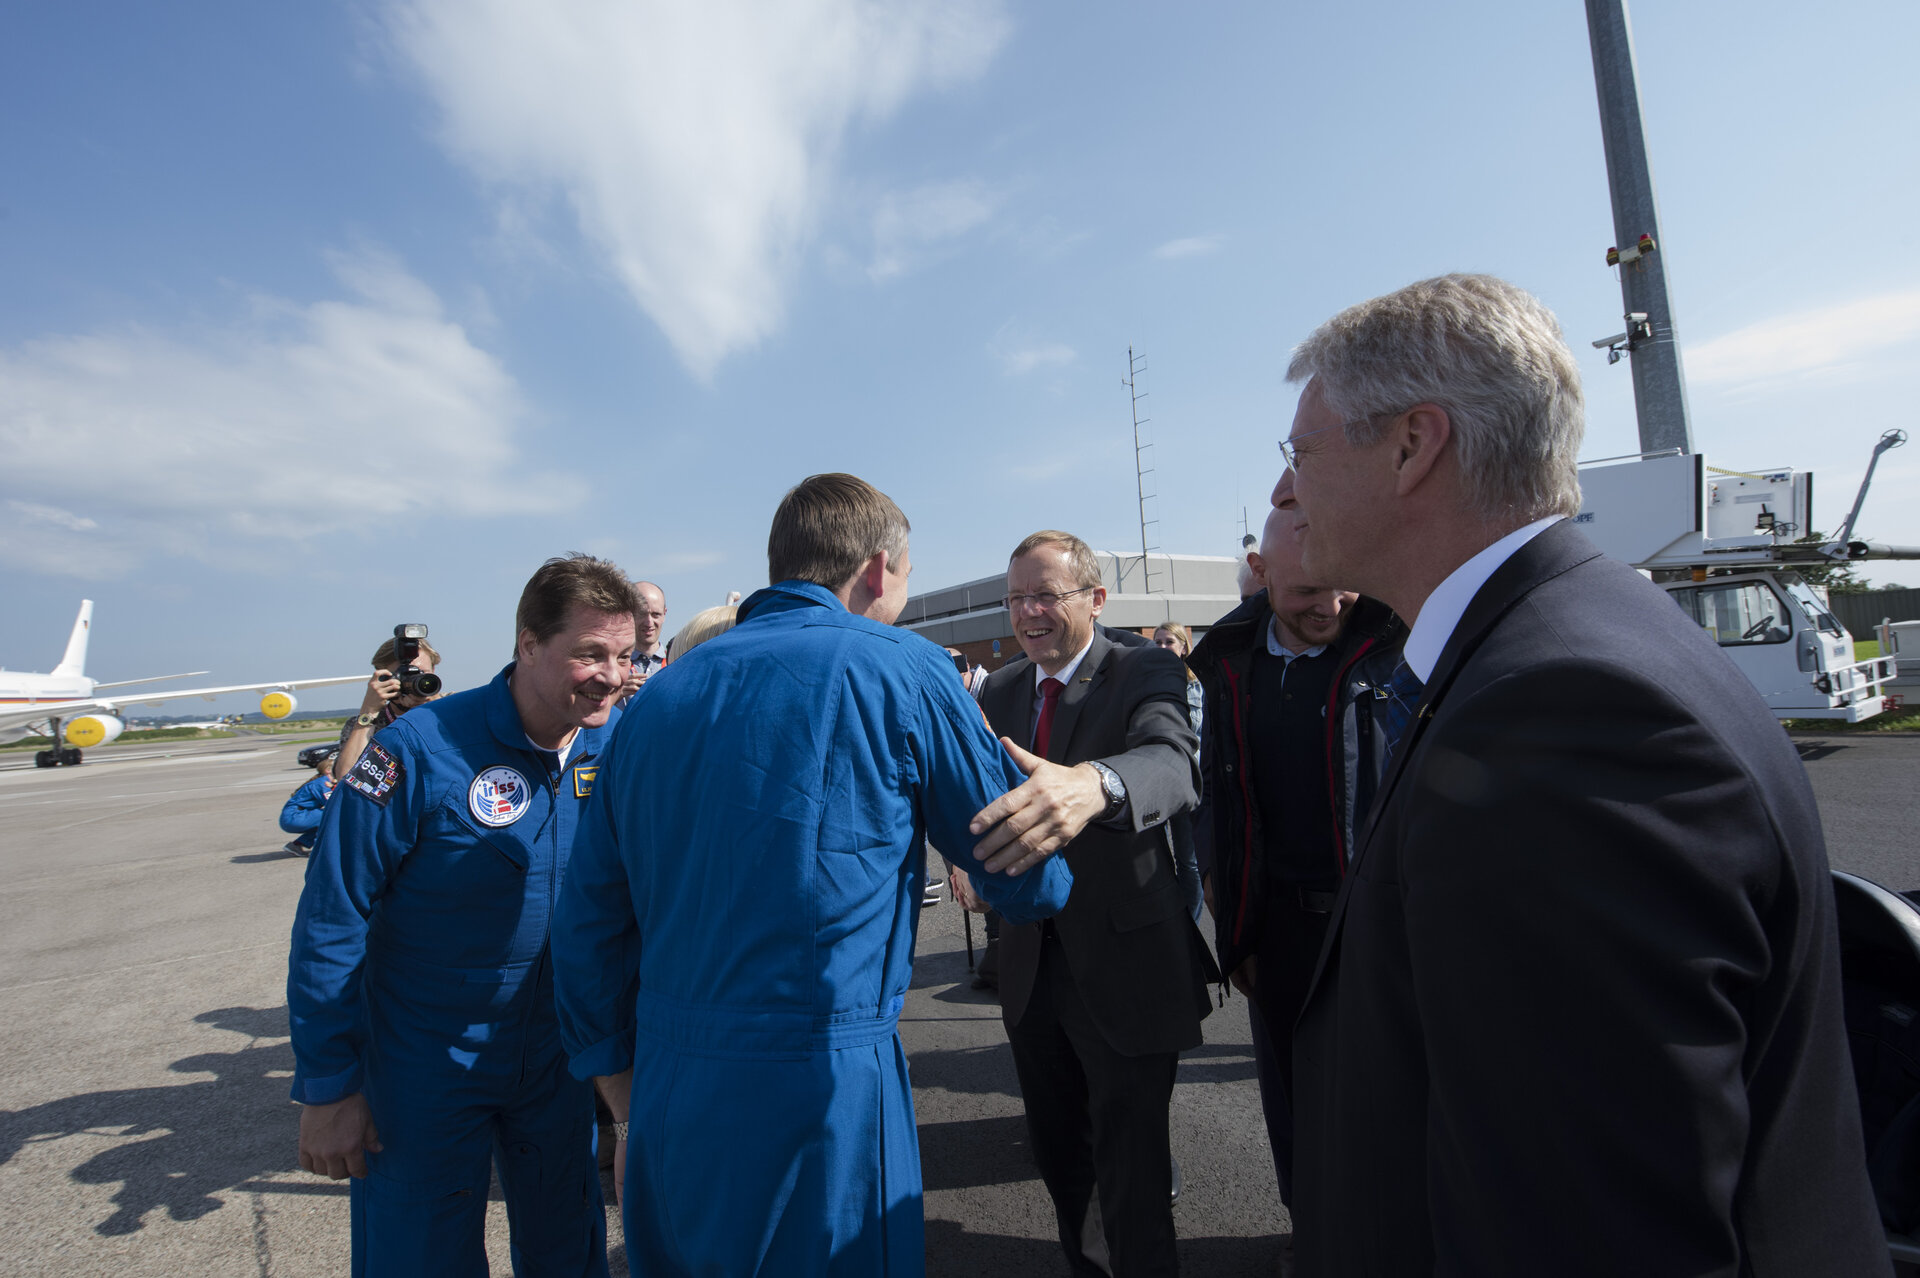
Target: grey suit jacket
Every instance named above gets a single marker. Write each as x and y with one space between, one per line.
1140 963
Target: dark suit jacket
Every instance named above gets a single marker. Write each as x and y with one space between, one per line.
1137 957
1579 1011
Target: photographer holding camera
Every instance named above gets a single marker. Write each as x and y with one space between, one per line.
403 677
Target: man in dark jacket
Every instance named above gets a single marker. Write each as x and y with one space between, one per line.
1297 681
1579 1010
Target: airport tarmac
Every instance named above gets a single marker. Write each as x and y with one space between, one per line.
144 1120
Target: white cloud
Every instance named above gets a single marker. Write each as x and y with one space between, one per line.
1020 353
1831 343
59 518
1025 359
695 143
1192 246
292 420
907 223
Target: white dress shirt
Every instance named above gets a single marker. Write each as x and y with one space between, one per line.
1066 681
1441 613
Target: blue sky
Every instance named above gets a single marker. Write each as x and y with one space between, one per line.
314 319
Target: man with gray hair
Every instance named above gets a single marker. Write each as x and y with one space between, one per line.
1579 1007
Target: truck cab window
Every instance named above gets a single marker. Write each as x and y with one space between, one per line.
1737 613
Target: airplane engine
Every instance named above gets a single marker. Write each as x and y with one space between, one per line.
93 730
278 705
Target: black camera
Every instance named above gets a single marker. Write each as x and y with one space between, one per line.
414 682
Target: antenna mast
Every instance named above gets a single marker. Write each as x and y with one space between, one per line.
1136 365
1659 387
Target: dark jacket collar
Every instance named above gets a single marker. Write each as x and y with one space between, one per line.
1558 549
1013 700
1240 630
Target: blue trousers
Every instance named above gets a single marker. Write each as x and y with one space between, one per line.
422 1208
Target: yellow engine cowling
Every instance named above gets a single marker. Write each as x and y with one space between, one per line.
93 730
278 705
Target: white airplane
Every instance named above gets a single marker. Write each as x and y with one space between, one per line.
45 703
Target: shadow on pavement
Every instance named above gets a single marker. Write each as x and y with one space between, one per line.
1230 1257
206 1136
255 858
966 1071
953 1251
973 1152
1813 751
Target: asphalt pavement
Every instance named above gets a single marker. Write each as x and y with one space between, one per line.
144 1123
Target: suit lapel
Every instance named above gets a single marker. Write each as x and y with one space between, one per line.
1558 549
1009 706
1086 677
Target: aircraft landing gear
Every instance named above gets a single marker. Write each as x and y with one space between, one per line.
60 756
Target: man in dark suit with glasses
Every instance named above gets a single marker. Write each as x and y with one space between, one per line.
1100 1000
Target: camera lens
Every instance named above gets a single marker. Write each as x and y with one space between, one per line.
426 685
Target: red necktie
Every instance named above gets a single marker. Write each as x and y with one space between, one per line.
1043 730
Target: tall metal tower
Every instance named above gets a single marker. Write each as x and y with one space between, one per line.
1136 365
1659 386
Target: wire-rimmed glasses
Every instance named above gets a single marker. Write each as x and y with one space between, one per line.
1045 599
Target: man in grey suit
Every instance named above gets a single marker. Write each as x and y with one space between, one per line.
1100 1000
1579 1007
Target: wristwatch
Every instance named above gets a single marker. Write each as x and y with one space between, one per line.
368 720
1116 789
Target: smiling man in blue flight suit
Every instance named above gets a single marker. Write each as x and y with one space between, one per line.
735 936
421 989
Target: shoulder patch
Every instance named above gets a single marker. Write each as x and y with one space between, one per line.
376 775
583 781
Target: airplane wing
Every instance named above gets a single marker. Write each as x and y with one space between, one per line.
21 715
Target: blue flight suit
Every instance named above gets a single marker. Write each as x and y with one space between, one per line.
420 975
737 926
304 807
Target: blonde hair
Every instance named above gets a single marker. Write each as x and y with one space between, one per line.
704 626
1185 638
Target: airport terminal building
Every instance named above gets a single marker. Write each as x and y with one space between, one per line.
1142 593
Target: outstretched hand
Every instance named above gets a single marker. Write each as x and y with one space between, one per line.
1025 826
963 894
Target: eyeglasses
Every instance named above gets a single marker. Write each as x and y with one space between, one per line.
1290 453
1043 598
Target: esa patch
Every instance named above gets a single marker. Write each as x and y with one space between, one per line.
499 796
376 775
583 781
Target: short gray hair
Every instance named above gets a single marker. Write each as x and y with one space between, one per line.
1488 353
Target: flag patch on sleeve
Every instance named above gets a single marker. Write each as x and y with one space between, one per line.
376 775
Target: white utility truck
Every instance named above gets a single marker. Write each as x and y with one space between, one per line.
1726 545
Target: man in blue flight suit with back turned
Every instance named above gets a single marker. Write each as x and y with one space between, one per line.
421 988
735 936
